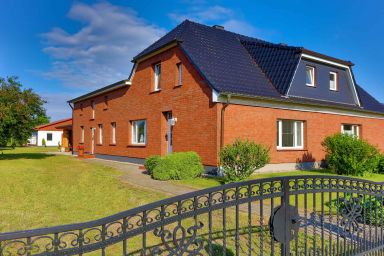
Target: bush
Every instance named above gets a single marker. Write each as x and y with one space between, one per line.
151 162
372 208
178 166
380 168
240 159
43 143
348 155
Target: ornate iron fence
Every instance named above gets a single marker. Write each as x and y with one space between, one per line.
303 215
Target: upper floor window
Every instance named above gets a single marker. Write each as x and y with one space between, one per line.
100 134
179 73
333 81
311 76
290 134
351 129
139 132
113 125
157 69
106 102
93 109
82 134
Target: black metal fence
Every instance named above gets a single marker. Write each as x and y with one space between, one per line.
302 215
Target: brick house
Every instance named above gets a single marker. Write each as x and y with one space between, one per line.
199 88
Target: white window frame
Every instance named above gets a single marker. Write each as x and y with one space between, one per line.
100 134
335 74
113 125
295 138
313 84
93 109
179 74
354 127
82 134
135 136
157 74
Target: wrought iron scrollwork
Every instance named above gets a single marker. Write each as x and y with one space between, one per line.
351 212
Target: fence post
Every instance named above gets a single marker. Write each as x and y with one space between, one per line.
287 218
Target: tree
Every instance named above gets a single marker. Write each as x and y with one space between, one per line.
20 111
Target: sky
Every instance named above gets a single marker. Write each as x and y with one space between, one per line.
63 49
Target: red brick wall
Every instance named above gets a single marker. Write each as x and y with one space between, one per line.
260 124
196 127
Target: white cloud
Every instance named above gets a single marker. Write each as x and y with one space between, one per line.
57 106
100 52
216 15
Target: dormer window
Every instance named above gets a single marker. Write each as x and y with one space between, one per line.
157 69
333 81
310 76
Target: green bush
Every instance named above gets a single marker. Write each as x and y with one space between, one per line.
348 155
178 166
240 159
372 208
151 162
43 143
380 168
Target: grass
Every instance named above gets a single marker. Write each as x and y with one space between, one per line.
39 190
207 182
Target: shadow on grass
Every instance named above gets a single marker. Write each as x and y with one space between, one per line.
16 156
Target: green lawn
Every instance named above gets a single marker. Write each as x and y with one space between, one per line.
38 190
207 182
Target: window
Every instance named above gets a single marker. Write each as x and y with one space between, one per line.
105 102
333 81
93 109
179 74
100 134
290 134
310 76
139 132
81 107
157 77
82 134
49 136
113 133
351 129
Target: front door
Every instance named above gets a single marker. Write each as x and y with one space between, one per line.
169 131
93 140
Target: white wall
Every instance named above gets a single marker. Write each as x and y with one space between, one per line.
56 138
33 139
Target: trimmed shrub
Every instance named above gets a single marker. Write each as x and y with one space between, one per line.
178 166
43 143
151 162
380 168
348 155
240 159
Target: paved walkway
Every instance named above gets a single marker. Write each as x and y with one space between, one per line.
137 177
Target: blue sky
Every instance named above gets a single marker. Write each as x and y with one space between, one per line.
65 48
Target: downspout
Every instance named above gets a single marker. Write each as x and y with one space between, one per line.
72 125
225 105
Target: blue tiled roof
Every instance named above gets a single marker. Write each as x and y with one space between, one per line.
233 63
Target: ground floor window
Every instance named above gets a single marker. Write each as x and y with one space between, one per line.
49 136
351 129
113 125
82 134
290 134
139 132
100 134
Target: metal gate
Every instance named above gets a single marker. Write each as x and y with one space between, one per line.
302 215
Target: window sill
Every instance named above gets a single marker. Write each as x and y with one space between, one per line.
112 144
291 149
311 85
98 144
105 109
91 119
137 145
155 91
178 85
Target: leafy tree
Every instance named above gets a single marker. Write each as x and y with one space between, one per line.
20 111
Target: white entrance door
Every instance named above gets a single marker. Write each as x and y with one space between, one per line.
93 140
169 131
